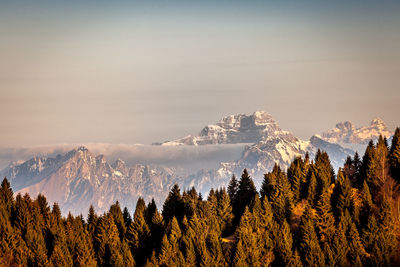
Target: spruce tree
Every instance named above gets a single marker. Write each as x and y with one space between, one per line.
224 212
387 231
282 199
244 196
232 188
383 164
138 235
296 175
269 182
311 186
173 205
394 156
309 246
6 195
127 217
324 172
369 169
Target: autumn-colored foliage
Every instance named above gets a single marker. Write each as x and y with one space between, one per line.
307 215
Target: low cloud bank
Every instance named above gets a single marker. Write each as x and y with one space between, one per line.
190 158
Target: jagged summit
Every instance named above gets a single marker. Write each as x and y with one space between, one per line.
79 178
232 129
346 132
82 148
378 122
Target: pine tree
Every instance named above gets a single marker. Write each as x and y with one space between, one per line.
339 246
215 250
357 169
150 210
369 169
269 182
387 231
282 199
382 153
170 254
116 213
309 245
127 217
244 196
325 220
296 176
367 205
6 195
156 231
394 156
311 186
356 249
283 242
224 212
232 188
342 194
369 240
188 249
266 230
110 250
138 235
91 220
173 205
240 256
323 171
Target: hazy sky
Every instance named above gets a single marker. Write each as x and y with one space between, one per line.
124 72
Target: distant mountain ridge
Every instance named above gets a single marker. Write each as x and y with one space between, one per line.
79 178
234 129
346 132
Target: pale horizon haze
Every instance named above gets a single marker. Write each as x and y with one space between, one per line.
124 72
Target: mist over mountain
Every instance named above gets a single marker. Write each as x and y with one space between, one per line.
101 174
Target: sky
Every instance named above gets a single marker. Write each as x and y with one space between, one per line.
126 72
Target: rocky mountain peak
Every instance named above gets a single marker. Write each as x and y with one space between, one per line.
379 123
263 118
346 132
345 126
82 149
232 129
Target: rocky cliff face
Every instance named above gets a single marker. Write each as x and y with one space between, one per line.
260 158
346 132
234 129
79 178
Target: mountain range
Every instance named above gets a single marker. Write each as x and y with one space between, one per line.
79 178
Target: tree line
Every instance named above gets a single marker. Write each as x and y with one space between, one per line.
303 216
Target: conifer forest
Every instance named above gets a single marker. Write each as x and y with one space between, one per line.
307 215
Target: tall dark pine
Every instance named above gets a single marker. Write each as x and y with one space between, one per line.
357 169
369 169
394 156
270 181
296 176
324 172
6 195
245 194
232 188
173 205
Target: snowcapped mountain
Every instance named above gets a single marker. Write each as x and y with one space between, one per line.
79 178
260 158
234 129
270 145
346 132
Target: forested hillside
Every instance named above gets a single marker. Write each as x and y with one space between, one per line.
305 215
